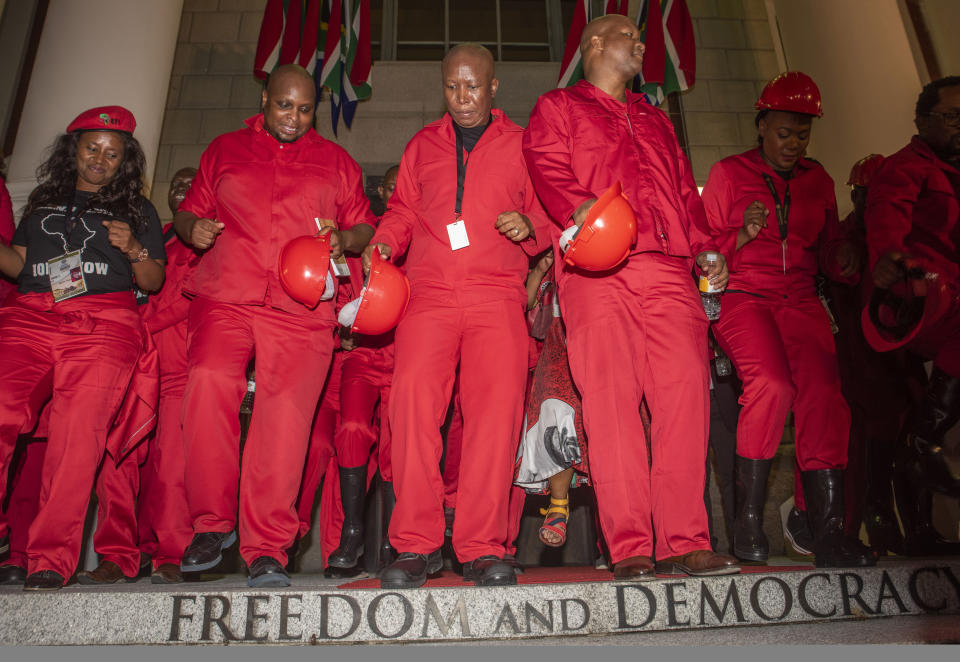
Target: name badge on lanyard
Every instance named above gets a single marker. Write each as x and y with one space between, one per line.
457 231
66 276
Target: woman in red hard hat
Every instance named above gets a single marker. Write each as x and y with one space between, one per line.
72 334
774 214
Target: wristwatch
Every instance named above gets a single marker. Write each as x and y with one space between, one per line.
142 255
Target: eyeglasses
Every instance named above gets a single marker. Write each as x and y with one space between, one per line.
951 118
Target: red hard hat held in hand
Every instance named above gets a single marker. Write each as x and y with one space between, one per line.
384 298
303 266
608 232
793 92
864 170
894 316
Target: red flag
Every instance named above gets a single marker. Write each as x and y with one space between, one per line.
570 68
655 55
612 7
268 44
288 34
360 71
680 29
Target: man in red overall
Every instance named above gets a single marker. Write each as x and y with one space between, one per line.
257 189
467 218
913 214
638 330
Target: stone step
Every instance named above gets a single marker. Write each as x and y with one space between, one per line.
318 611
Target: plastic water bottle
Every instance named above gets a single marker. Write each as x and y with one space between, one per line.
709 295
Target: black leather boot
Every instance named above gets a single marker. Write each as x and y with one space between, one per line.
920 537
878 514
353 489
922 459
387 552
823 491
749 541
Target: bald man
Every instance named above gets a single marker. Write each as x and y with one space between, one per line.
580 141
465 215
255 190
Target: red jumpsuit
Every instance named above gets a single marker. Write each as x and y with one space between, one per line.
6 234
639 330
913 207
772 324
466 305
266 193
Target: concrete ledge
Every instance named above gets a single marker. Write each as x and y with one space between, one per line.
316 611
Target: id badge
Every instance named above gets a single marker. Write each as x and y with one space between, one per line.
457 231
66 276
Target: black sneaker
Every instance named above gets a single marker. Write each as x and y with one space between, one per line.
45 580
410 570
266 572
489 571
205 550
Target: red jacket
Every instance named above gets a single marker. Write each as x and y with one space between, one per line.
764 265
491 267
580 141
266 193
912 208
169 306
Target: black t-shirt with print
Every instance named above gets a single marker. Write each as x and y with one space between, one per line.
105 269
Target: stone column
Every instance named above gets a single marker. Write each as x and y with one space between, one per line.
95 53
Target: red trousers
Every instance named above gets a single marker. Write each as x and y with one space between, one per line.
488 338
365 381
641 332
454 444
293 354
118 486
785 355
24 496
80 354
165 516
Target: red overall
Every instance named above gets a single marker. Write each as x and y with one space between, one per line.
6 235
82 355
24 497
772 325
913 207
265 193
639 330
466 306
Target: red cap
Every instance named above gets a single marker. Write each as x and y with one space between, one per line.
864 170
793 92
104 118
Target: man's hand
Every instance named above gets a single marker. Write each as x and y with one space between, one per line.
715 270
848 259
580 215
754 220
368 255
336 241
120 236
348 341
889 269
514 226
204 233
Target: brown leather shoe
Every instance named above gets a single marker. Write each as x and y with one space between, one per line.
107 572
699 563
167 573
634 568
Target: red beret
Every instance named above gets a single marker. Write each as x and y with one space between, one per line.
104 118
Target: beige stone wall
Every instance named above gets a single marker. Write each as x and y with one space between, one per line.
735 59
212 89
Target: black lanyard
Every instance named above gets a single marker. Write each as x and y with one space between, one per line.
783 208
72 217
461 172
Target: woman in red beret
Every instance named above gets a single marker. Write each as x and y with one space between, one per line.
71 339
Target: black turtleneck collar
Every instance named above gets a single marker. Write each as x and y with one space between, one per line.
472 134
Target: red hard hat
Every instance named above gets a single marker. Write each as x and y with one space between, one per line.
893 317
385 297
791 91
608 232
303 266
864 169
